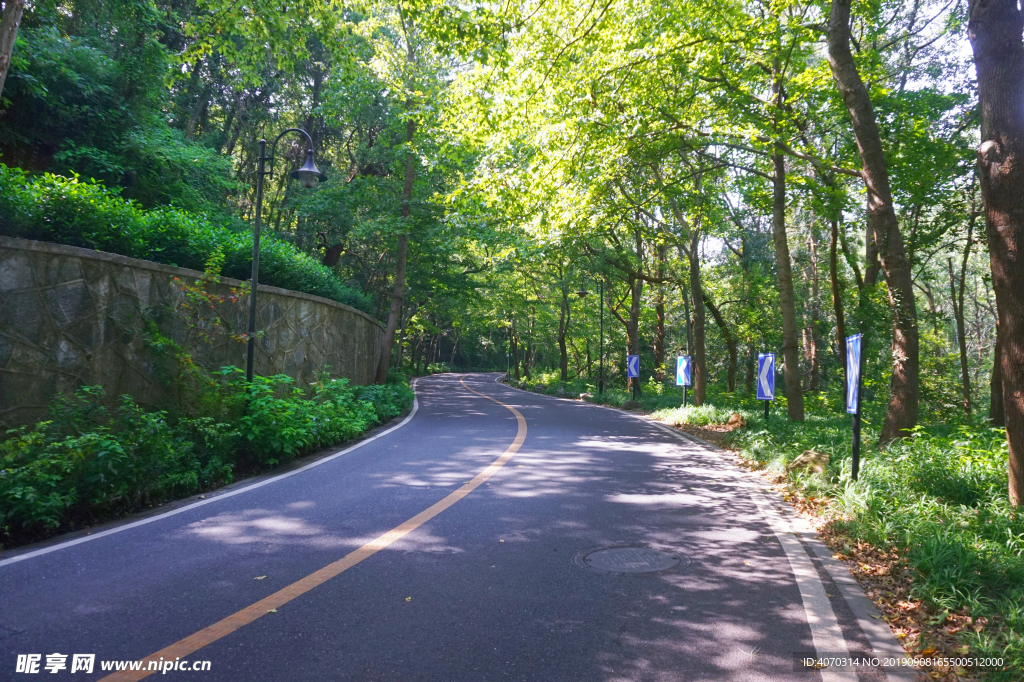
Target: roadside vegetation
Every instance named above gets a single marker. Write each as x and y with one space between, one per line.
88 463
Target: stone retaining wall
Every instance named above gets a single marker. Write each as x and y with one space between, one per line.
71 317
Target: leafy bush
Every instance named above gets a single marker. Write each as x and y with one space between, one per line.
68 211
389 400
85 463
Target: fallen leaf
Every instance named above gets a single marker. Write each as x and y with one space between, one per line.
271 610
746 563
830 596
501 541
259 577
408 599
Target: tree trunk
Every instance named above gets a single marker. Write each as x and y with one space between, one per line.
996 413
995 28
564 315
790 345
814 347
9 24
659 312
514 343
700 361
961 332
837 297
403 249
904 388
748 376
730 343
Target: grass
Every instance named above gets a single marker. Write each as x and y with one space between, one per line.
937 503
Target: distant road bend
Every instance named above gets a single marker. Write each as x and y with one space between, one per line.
493 534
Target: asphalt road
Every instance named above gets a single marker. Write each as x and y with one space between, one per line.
486 589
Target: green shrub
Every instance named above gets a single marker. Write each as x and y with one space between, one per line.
68 211
86 463
389 400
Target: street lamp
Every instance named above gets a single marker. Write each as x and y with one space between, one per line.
308 175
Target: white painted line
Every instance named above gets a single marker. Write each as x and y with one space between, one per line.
879 635
825 632
218 498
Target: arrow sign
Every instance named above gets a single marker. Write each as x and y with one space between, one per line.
766 376
853 348
633 366
683 371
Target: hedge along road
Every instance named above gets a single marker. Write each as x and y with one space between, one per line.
456 547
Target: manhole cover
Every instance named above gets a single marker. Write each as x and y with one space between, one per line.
620 560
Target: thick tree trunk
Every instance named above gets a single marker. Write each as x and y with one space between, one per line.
398 291
995 28
730 343
882 224
790 345
837 297
9 24
700 354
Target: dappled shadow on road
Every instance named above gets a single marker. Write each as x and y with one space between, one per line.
585 478
733 614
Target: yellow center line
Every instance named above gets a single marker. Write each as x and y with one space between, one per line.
222 628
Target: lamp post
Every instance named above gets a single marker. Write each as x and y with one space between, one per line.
308 175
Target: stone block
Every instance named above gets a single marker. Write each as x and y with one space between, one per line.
16 273
68 302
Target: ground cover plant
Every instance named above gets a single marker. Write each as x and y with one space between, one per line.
88 463
933 508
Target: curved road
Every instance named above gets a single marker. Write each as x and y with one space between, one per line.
444 550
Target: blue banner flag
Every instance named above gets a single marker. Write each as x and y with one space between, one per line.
633 366
853 348
683 366
766 376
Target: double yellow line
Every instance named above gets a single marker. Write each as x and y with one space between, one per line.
189 645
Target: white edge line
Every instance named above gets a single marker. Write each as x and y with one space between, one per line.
218 498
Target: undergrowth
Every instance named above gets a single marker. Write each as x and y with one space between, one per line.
88 462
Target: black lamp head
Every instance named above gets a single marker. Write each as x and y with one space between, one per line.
308 175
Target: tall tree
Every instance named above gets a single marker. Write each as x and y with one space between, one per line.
995 28
9 23
787 297
883 227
